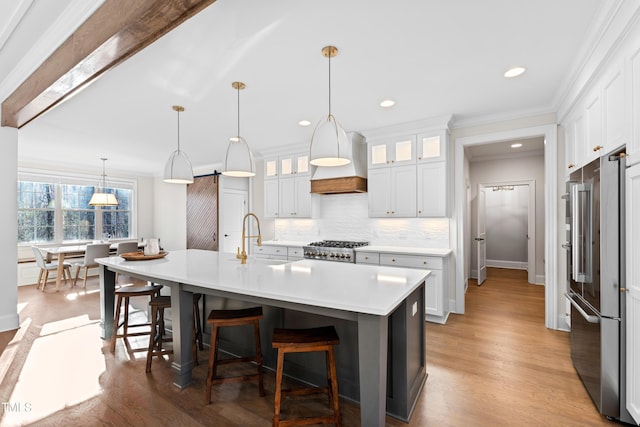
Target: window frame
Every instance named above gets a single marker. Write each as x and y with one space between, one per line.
66 178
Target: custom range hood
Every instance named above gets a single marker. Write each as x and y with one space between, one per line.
351 178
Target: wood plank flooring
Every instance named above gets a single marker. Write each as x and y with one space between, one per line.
495 366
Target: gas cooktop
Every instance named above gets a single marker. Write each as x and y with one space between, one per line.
333 250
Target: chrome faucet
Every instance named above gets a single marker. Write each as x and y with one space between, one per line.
243 255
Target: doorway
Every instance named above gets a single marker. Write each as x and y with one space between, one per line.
202 213
462 233
507 238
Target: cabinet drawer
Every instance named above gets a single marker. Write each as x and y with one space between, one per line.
295 252
279 251
411 261
367 258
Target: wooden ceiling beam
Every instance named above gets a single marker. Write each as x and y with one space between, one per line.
117 30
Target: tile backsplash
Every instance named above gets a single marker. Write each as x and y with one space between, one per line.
346 217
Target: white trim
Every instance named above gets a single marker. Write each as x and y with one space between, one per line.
20 9
551 182
67 23
512 265
539 279
9 323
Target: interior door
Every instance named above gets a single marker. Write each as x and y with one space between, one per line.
202 213
233 208
481 236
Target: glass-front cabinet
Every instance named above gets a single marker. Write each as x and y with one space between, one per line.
397 151
294 164
431 148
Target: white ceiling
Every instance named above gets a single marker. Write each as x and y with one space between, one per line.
433 57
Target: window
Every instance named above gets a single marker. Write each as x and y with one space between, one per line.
56 209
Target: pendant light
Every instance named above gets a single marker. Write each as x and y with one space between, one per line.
329 142
101 197
239 160
178 169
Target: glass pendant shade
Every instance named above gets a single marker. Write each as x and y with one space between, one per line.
239 160
178 169
103 199
329 144
100 198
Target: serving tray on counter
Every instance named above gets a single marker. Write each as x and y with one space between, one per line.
140 256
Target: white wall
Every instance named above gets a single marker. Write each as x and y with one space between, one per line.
8 219
507 226
517 169
170 214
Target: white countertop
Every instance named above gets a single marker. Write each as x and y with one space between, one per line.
408 250
344 286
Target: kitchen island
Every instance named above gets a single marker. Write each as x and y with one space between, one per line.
380 300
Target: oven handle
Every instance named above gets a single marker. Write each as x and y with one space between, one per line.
590 319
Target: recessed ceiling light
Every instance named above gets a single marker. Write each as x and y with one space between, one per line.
514 72
304 122
386 103
516 145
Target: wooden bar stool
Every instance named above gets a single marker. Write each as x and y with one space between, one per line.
157 338
221 318
307 340
123 294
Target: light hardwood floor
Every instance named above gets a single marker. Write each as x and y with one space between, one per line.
495 366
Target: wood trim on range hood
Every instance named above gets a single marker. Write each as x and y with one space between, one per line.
349 184
117 30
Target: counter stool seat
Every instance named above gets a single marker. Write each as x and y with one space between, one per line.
300 341
222 318
123 294
157 338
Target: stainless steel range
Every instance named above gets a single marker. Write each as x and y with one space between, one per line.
333 250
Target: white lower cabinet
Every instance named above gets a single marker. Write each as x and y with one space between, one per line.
437 287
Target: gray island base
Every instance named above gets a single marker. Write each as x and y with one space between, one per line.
377 311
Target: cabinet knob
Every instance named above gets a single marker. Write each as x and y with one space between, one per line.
597 147
623 290
419 158
424 262
393 260
393 212
419 211
571 166
366 257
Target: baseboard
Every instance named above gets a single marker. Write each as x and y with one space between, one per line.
563 323
539 279
10 322
514 265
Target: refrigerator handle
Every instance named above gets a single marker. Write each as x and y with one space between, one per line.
581 218
588 318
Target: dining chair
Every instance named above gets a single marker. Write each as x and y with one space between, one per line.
96 250
46 267
126 247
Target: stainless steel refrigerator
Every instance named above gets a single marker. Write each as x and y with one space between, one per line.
595 274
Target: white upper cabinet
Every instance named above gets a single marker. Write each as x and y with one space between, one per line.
593 146
633 145
295 197
614 112
433 194
396 151
392 192
271 198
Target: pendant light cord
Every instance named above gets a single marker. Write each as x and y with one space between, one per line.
329 84
238 113
178 130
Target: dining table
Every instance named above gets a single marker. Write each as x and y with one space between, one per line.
64 251
370 296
